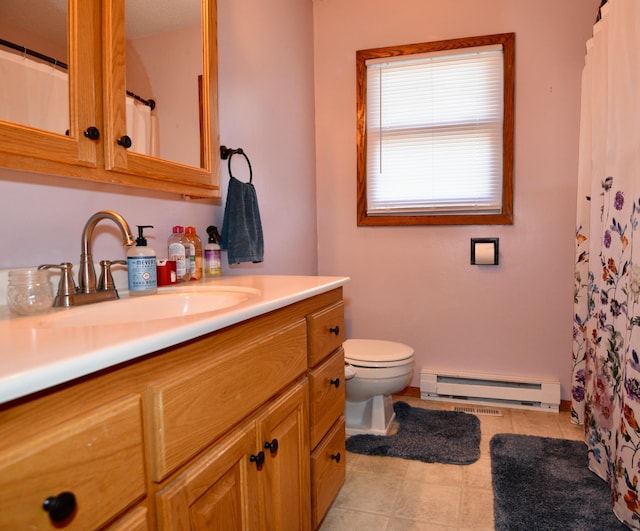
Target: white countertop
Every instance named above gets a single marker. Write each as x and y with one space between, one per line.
33 358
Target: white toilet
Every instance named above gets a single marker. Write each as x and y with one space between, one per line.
381 369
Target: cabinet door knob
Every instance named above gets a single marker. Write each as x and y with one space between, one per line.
92 133
258 459
336 457
335 382
272 446
60 507
125 142
334 330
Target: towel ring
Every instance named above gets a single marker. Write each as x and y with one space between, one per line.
228 153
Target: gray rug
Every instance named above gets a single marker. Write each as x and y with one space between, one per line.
544 484
432 436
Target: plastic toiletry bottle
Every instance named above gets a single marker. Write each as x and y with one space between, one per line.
188 255
196 253
212 257
177 252
141 266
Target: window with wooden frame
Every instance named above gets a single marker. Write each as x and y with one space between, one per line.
435 132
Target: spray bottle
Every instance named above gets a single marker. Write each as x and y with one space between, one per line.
212 258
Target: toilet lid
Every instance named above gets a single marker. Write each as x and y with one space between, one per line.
375 352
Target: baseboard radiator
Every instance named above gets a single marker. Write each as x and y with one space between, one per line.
516 392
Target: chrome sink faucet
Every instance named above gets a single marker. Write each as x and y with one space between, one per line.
87 274
86 291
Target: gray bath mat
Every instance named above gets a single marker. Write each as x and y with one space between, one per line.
432 436
545 484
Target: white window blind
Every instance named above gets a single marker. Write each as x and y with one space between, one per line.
434 132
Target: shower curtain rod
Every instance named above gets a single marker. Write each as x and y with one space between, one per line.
51 60
33 53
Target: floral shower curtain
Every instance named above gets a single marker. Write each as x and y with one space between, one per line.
606 343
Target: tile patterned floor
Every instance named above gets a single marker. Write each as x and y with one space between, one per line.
389 494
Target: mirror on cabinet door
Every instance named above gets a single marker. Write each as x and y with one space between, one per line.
163 69
46 119
168 49
34 87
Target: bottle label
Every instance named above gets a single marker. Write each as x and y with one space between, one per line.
142 273
190 256
212 262
176 252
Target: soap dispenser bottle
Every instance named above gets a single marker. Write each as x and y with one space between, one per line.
141 266
212 258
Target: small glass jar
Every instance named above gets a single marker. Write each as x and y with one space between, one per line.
29 292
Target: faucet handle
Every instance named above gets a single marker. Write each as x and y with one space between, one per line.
106 282
66 287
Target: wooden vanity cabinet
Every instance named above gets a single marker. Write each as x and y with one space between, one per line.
325 335
240 484
92 148
173 440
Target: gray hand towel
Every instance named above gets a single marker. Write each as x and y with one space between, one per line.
241 225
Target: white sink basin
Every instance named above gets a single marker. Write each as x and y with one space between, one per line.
170 304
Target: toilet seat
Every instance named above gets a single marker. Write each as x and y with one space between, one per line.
376 353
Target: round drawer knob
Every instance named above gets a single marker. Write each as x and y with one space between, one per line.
335 330
125 142
272 446
258 459
60 507
92 133
335 382
336 457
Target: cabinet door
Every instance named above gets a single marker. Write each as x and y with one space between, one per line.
21 143
218 492
285 477
165 166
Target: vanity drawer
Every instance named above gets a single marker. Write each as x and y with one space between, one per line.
326 388
325 332
328 469
98 457
192 408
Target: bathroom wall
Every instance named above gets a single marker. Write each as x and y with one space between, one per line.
410 284
266 107
415 284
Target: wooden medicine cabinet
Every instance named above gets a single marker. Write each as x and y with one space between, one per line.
119 59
